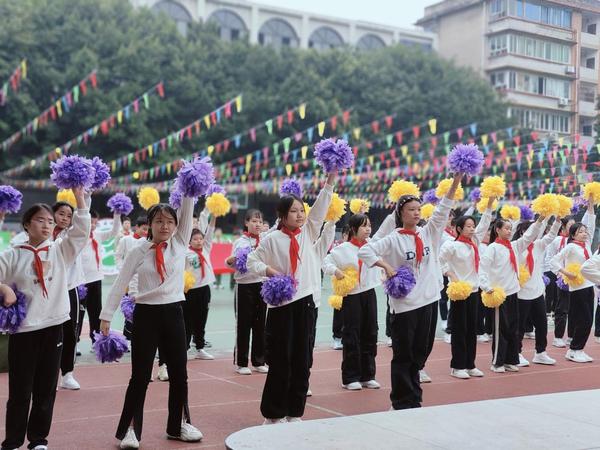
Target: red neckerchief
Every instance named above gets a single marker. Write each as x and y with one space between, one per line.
530 260
198 251
160 260
37 264
475 250
137 236
253 236
563 241
418 243
450 231
96 251
126 233
585 250
294 247
358 244
56 232
513 257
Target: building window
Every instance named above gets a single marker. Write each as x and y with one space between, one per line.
537 84
498 44
278 33
176 12
499 79
497 8
325 38
230 26
370 42
587 130
530 46
533 10
542 120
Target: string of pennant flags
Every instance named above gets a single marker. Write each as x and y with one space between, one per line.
55 111
14 81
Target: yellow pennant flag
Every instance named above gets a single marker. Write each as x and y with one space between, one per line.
58 108
321 128
210 149
35 123
150 151
404 150
302 110
371 160
207 121
501 145
560 142
248 162
113 166
57 150
529 163
356 133
304 151
24 68
432 126
238 103
288 169
574 168
136 175
168 168
120 116
409 159
243 177
484 139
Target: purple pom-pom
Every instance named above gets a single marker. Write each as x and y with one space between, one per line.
120 204
334 155
475 195
176 196
561 284
526 213
110 348
290 186
102 176
401 283
82 291
278 290
241 258
430 197
10 199
579 203
72 171
466 159
12 317
127 307
195 177
546 280
215 189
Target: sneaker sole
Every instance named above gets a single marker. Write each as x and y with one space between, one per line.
544 363
173 438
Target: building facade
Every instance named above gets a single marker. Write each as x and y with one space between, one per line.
542 55
281 27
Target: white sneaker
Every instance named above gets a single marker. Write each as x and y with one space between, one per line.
475 372
274 421
371 384
459 373
568 341
354 386
130 440
447 338
40 447
497 369
261 369
293 419
243 370
388 342
337 344
511 368
203 354
483 338
576 356
586 356
522 361
68 382
163 374
188 433
423 377
309 393
529 335
558 342
543 358
597 339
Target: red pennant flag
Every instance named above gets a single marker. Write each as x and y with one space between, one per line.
279 122
188 131
53 112
416 131
375 126
389 120
334 120
298 136
459 133
434 141
218 148
160 89
136 105
252 134
345 117
399 137
111 121
577 137
104 127
290 116
213 117
93 80
228 109
226 144
197 127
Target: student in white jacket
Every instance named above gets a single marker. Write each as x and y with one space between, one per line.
581 312
591 272
359 307
499 267
417 248
531 295
460 262
287 251
39 269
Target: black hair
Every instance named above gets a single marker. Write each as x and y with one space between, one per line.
574 229
400 204
461 222
252 214
141 220
195 216
59 205
125 219
196 231
498 223
521 229
355 222
346 229
94 214
155 210
564 221
284 206
32 211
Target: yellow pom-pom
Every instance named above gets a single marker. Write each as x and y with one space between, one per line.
148 197
524 275
188 280
400 188
335 301
427 211
337 208
66 196
575 269
495 299
444 187
358 204
493 187
592 189
483 203
510 212
564 206
217 204
345 285
459 290
545 205
306 208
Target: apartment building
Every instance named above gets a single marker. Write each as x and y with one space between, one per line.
542 55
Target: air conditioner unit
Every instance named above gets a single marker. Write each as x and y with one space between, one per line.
570 70
563 101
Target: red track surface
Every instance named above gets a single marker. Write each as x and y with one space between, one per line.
222 402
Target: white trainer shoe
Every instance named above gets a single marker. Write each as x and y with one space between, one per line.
293 419
203 354
388 342
188 433
354 386
69 382
576 356
483 338
529 335
568 341
337 344
511 368
371 384
274 421
163 373
498 369
460 373
130 440
522 361
243 370
447 338
543 358
309 393
475 372
586 356
261 369
40 447
423 377
558 342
